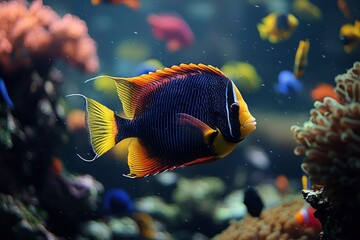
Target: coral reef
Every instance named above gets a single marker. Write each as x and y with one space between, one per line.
273 223
20 221
33 133
330 142
34 35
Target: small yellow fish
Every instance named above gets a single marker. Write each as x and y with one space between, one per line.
277 27
307 10
179 116
350 36
243 74
301 57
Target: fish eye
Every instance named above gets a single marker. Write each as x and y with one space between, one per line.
234 108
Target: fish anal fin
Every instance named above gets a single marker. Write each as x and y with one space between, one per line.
141 164
201 160
209 134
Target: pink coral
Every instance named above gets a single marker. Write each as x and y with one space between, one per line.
32 32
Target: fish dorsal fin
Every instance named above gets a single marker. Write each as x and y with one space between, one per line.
129 89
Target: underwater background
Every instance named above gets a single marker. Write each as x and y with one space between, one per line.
59 196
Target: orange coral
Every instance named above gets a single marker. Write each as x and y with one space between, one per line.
274 223
32 32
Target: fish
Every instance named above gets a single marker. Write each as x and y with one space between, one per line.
282 184
56 167
350 36
179 116
117 202
133 4
306 183
301 58
344 8
323 90
5 94
253 202
147 66
305 217
287 83
173 29
277 27
75 120
307 10
243 74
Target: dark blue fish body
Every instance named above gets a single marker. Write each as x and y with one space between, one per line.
155 124
253 202
179 116
117 202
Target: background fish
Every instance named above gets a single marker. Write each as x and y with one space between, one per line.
179 116
277 27
301 58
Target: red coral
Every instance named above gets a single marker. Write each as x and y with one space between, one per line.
29 33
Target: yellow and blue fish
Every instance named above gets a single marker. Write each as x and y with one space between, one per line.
350 36
301 58
277 27
175 117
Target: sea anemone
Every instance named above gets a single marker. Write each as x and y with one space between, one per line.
330 141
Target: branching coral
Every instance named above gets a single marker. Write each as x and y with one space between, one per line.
331 141
30 33
274 223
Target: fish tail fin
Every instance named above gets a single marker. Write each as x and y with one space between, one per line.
106 128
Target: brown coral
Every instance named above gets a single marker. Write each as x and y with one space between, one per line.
29 33
274 223
331 141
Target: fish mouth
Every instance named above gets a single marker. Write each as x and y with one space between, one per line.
251 122
248 127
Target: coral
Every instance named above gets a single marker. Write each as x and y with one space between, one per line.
32 37
29 33
274 223
331 140
330 143
19 221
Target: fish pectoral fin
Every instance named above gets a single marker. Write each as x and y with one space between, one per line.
209 134
141 164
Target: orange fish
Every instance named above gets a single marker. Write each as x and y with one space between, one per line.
133 4
282 184
75 120
324 90
305 217
342 5
56 167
